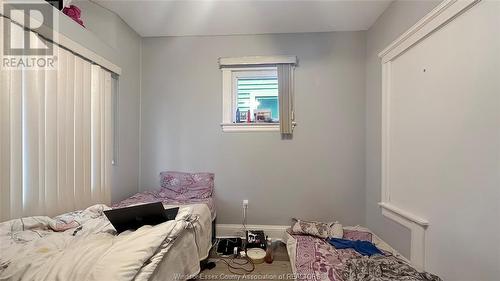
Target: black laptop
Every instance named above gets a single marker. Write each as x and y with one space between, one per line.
132 218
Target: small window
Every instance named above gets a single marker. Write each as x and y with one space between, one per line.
251 94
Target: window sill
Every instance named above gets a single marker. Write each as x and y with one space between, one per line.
250 127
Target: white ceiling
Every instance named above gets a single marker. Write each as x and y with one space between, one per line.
215 17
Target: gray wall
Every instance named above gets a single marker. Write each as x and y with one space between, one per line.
317 175
113 39
400 16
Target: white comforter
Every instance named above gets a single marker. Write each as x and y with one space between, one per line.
41 248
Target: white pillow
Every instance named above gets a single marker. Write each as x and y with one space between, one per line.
319 229
336 231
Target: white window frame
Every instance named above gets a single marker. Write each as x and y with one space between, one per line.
230 78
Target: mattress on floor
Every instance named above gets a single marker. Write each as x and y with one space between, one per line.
315 259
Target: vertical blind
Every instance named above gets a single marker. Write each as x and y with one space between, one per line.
286 97
56 137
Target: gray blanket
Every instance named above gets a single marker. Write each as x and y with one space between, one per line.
383 268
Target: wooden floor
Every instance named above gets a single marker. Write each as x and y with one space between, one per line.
279 270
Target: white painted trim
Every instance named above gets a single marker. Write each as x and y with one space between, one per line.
444 13
250 127
251 68
417 231
140 187
88 54
409 216
257 60
275 232
227 95
229 89
386 82
66 42
229 78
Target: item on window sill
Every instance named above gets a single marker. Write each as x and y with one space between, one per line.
74 13
262 116
248 116
243 116
238 117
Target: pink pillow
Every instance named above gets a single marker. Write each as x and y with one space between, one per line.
178 185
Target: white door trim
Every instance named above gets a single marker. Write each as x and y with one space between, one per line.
444 13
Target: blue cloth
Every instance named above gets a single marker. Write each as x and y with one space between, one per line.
363 247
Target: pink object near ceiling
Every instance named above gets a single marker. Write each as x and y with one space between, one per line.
74 13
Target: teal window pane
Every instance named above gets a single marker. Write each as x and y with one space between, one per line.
269 103
258 94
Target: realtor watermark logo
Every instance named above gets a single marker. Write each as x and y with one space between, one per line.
28 35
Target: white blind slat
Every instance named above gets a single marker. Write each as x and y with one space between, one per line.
96 133
5 150
86 133
102 96
70 129
16 134
78 124
51 142
30 114
61 129
40 145
16 140
108 139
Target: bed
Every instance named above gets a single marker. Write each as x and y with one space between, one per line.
314 259
158 196
178 189
83 245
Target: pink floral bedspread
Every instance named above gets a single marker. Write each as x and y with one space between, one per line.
317 260
158 196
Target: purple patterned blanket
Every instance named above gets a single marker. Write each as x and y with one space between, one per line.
317 260
158 196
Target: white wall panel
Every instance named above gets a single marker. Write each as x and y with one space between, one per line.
444 142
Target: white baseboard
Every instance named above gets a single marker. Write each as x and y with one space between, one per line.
275 232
